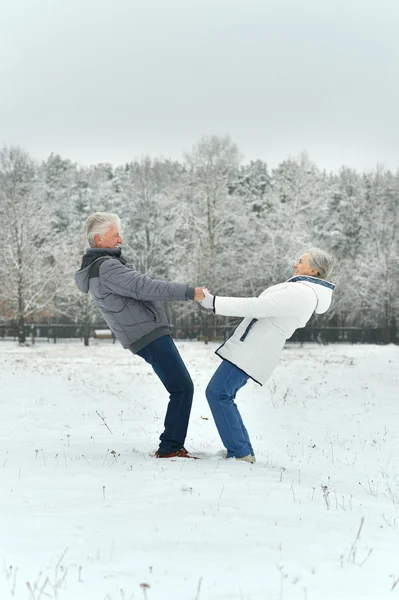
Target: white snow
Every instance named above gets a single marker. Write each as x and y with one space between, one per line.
89 514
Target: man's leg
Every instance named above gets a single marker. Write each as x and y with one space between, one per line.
220 393
167 363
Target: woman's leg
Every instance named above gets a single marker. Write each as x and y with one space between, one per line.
220 393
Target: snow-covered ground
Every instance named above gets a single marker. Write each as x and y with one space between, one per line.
86 511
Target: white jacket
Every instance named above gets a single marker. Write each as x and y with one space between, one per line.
270 320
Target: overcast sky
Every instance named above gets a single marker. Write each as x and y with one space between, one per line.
109 81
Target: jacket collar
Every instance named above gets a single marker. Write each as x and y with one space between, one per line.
317 280
92 254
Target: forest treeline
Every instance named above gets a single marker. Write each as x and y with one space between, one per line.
206 220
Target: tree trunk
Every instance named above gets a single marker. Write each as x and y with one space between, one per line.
86 331
21 329
21 306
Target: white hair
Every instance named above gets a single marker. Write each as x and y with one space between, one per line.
98 224
321 261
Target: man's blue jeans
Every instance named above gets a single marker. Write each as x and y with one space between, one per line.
220 393
167 363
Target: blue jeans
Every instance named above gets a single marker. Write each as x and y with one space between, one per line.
167 363
220 393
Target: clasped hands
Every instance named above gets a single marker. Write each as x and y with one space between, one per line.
204 297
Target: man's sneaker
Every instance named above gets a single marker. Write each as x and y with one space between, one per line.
248 458
182 453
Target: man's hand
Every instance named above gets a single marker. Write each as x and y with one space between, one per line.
207 302
199 294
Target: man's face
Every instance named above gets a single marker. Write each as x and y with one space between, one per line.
111 238
302 266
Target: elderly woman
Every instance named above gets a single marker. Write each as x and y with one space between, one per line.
254 349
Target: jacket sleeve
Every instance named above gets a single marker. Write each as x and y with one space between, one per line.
292 300
118 279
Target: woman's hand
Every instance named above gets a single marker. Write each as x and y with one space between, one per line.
208 301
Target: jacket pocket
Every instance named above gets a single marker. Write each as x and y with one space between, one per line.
244 335
283 331
150 309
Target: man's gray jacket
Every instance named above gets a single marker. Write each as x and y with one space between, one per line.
130 303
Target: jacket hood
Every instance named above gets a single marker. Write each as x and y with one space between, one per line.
82 277
322 288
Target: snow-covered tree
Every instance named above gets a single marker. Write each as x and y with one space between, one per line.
207 221
211 215
381 254
150 214
254 185
285 223
30 271
59 176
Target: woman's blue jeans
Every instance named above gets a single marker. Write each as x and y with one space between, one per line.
221 393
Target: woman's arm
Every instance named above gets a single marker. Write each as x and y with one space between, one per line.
288 301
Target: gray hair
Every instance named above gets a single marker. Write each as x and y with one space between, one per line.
98 224
321 261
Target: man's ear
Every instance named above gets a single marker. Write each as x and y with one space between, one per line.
97 238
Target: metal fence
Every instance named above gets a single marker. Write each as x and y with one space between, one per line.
51 332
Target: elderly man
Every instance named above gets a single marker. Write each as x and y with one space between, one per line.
131 304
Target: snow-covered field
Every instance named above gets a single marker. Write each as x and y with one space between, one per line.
86 512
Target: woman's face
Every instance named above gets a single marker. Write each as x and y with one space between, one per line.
302 267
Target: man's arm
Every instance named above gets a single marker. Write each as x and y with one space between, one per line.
124 281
